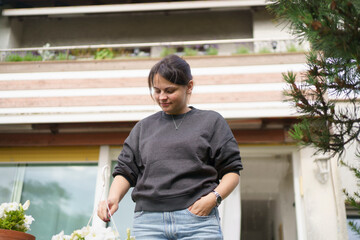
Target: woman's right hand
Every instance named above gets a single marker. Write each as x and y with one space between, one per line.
103 212
118 189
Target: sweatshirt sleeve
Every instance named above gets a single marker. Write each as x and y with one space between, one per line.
127 164
226 152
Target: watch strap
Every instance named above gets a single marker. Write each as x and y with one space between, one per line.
218 198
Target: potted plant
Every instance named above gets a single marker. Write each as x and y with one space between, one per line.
92 233
13 221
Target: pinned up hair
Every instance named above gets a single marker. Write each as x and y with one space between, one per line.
173 68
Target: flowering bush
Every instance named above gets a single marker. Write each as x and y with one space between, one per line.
91 233
12 216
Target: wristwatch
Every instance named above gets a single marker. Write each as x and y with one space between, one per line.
218 198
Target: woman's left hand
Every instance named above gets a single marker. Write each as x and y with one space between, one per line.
204 205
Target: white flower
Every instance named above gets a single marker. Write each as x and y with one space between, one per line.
86 230
89 233
2 211
26 205
12 206
28 221
101 233
59 236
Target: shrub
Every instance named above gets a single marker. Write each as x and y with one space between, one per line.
105 53
212 51
264 50
190 51
31 57
13 58
242 50
167 51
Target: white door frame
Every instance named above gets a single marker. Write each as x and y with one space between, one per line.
293 151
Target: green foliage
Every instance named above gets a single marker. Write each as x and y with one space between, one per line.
31 57
83 53
212 51
353 200
61 57
105 53
19 58
311 130
242 50
128 235
264 50
167 51
14 220
190 51
354 227
330 26
332 29
13 58
330 74
291 48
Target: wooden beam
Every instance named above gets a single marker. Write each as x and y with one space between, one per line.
253 136
260 136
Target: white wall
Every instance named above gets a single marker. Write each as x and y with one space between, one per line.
265 26
323 205
285 205
4 32
10 32
348 180
15 33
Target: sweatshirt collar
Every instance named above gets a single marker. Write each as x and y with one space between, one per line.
177 116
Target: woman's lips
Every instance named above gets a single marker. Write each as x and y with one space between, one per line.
164 104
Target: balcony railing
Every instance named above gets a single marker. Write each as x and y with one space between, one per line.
223 47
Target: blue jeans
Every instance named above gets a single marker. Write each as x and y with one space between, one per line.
179 225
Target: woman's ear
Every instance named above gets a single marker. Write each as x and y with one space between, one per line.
190 86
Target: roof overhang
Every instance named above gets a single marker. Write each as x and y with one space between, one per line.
136 7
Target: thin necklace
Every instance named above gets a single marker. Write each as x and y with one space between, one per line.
177 126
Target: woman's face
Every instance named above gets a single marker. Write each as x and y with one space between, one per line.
171 97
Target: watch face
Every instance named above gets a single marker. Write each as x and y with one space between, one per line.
218 198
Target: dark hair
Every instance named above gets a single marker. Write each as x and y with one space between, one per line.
173 68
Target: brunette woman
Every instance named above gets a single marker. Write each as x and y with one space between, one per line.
175 160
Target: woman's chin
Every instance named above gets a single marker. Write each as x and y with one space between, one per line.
165 108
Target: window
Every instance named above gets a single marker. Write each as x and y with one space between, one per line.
7 181
61 195
353 235
352 216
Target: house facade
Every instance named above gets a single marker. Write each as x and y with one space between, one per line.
64 119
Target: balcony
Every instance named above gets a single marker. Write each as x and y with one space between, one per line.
205 48
80 90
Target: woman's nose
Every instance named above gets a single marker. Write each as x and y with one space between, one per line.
163 96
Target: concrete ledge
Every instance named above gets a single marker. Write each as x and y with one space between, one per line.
147 63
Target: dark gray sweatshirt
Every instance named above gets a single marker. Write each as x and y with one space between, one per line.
170 169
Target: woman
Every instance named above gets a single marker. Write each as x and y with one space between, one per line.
174 160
